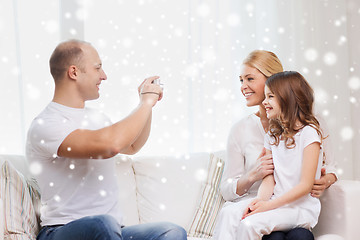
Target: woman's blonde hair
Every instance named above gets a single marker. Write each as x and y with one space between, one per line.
265 61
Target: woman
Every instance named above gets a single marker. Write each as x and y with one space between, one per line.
247 163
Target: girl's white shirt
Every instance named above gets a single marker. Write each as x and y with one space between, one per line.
245 142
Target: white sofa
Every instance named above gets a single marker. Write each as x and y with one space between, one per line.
178 189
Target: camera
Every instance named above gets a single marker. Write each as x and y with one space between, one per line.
156 81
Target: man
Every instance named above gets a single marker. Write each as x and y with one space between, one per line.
73 145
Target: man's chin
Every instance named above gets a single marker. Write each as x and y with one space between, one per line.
93 97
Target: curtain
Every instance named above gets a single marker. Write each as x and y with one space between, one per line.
196 47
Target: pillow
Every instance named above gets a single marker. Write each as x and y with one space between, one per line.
203 223
127 194
168 187
21 220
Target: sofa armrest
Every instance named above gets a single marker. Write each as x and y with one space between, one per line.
2 215
340 212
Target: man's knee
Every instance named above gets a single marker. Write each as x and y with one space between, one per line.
173 231
104 225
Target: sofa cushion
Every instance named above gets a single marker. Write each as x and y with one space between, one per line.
169 187
21 219
127 193
210 203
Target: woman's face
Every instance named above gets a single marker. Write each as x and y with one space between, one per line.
252 85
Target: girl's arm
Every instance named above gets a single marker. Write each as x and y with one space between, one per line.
308 172
266 188
265 191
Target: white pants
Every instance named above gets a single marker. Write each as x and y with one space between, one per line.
230 226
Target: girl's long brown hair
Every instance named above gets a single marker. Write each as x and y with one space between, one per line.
296 98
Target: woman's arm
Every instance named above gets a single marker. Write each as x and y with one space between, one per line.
328 172
236 181
308 172
262 168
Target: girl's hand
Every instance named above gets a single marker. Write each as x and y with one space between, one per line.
257 206
263 166
249 207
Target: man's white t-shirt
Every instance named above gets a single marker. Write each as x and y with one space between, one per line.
70 188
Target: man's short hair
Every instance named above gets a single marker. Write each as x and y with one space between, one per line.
66 54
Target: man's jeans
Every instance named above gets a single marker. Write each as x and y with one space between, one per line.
105 227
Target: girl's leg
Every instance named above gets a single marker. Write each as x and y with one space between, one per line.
228 220
281 219
299 234
275 236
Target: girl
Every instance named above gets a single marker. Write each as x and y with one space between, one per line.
294 140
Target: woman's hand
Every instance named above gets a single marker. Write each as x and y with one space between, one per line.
325 181
263 167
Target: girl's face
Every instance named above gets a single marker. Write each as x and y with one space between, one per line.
252 85
271 104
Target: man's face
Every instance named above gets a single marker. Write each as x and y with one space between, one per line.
91 74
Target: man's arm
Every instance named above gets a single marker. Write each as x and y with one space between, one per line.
126 136
141 140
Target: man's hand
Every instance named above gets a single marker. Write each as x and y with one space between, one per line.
150 92
325 181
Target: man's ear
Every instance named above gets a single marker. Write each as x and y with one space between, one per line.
72 72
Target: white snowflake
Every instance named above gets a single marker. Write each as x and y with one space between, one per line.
81 14
352 100
330 58
221 94
354 83
281 30
51 26
325 113
201 175
347 133
127 42
233 20
103 193
203 10
311 54
162 206
321 96
35 168
57 198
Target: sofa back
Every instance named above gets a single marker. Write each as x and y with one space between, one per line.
19 162
162 188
